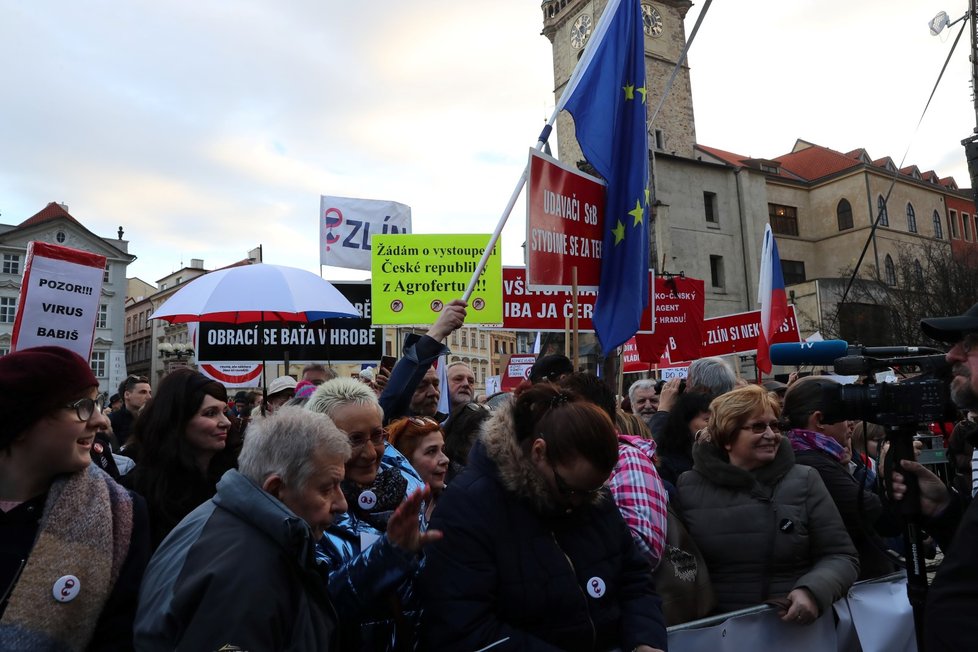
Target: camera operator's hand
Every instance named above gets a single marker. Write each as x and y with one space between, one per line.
934 496
792 378
670 392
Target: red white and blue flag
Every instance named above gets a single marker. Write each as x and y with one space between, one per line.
771 295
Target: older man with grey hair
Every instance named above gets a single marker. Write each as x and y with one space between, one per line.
711 376
259 530
644 399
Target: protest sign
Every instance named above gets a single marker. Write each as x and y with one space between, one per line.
232 374
738 333
414 276
347 225
679 306
515 370
59 299
631 360
525 309
333 340
564 209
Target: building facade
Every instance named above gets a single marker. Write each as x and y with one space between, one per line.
55 225
710 206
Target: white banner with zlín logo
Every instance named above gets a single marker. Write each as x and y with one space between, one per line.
346 226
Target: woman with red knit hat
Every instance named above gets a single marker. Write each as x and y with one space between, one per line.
73 543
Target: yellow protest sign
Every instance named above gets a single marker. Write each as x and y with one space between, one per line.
415 275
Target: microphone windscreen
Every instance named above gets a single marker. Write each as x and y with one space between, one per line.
808 353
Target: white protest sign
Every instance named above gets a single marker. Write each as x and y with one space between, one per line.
59 299
346 225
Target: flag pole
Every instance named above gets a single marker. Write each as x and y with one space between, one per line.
577 348
592 45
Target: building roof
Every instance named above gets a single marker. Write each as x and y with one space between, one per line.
729 158
815 162
50 212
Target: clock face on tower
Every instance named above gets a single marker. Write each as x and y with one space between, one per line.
651 20
581 30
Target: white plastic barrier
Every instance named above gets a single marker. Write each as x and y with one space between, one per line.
875 614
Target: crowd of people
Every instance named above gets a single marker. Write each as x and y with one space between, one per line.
334 513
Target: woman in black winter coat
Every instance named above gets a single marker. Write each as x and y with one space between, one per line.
821 440
536 555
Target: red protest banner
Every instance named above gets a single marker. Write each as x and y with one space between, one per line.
631 359
516 370
679 305
738 333
563 227
530 310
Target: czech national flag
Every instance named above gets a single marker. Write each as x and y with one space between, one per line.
774 302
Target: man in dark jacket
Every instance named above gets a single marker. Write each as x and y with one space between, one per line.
953 597
239 572
412 389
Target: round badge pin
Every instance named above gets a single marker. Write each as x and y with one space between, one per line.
367 500
66 588
595 587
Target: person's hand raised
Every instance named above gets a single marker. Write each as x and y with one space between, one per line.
404 527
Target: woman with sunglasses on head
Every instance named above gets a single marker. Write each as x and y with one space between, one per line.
422 441
178 444
766 527
536 555
73 543
373 549
461 430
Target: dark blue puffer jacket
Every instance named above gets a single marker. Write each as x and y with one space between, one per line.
514 573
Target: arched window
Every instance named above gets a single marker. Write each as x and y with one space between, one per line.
911 219
889 272
844 212
881 211
938 231
918 273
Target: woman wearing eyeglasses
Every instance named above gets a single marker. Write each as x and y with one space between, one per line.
373 549
179 444
766 527
73 543
536 555
821 439
422 442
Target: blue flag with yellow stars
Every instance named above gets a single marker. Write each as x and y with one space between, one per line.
607 97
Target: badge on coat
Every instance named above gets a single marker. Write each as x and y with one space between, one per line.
367 500
66 588
595 587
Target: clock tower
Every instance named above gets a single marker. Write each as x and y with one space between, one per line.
569 24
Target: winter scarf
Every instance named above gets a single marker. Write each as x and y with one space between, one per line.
84 532
809 440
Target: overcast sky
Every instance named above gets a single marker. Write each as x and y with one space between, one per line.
206 128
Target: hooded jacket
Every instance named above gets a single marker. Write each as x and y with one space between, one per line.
515 571
766 532
237 573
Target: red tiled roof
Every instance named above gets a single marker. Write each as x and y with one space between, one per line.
50 212
730 158
816 162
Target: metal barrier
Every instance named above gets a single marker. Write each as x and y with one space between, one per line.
875 615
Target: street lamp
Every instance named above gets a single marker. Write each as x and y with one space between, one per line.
176 351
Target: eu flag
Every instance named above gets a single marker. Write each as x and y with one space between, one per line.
606 97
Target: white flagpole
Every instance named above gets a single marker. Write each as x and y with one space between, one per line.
592 45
